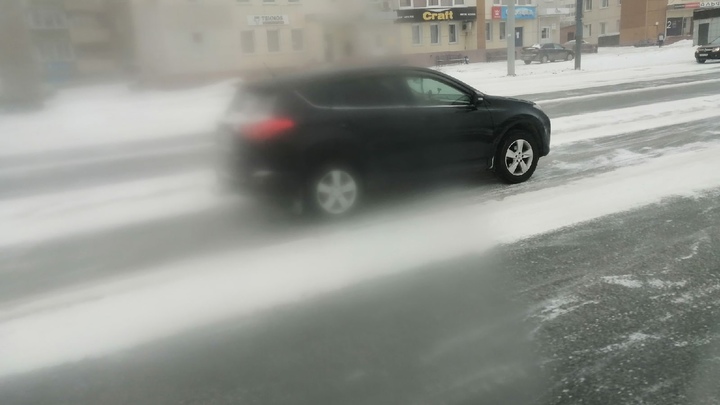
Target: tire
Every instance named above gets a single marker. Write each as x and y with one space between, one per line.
333 190
570 56
527 62
700 60
544 59
511 165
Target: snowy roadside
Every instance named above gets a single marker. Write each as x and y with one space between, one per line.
113 115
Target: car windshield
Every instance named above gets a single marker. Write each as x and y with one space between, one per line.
538 46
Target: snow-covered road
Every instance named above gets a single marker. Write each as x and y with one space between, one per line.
106 245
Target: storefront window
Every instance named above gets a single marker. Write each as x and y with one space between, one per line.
434 34
247 41
297 39
502 30
416 34
273 40
452 33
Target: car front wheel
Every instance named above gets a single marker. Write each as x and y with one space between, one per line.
517 157
569 56
527 62
544 59
700 60
334 190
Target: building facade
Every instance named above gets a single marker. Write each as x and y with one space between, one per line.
642 21
176 38
429 31
707 22
601 18
527 29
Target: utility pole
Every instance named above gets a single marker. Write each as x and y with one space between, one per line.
510 36
578 33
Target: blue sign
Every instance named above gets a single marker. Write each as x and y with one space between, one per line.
521 13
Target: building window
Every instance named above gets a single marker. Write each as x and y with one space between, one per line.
416 34
434 34
588 30
243 1
452 34
447 3
602 29
298 40
488 31
405 3
497 2
459 2
268 1
419 3
523 2
247 41
545 33
588 5
434 2
502 30
273 40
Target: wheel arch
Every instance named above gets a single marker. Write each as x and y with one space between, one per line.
525 123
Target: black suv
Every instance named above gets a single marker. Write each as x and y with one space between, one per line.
324 139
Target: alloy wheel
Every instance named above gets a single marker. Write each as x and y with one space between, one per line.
336 191
519 157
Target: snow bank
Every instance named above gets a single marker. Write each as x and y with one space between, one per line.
99 115
613 65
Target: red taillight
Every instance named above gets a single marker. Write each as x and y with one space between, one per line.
267 129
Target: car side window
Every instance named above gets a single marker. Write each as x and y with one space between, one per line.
548 46
358 92
428 91
558 46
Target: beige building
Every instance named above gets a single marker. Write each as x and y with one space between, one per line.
432 32
600 18
206 38
98 31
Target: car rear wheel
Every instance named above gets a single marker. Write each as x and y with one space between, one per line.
544 59
569 56
517 157
334 190
701 60
527 62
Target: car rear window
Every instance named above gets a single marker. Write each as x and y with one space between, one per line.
252 100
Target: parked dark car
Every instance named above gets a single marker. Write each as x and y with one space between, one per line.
546 53
327 139
585 47
709 51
